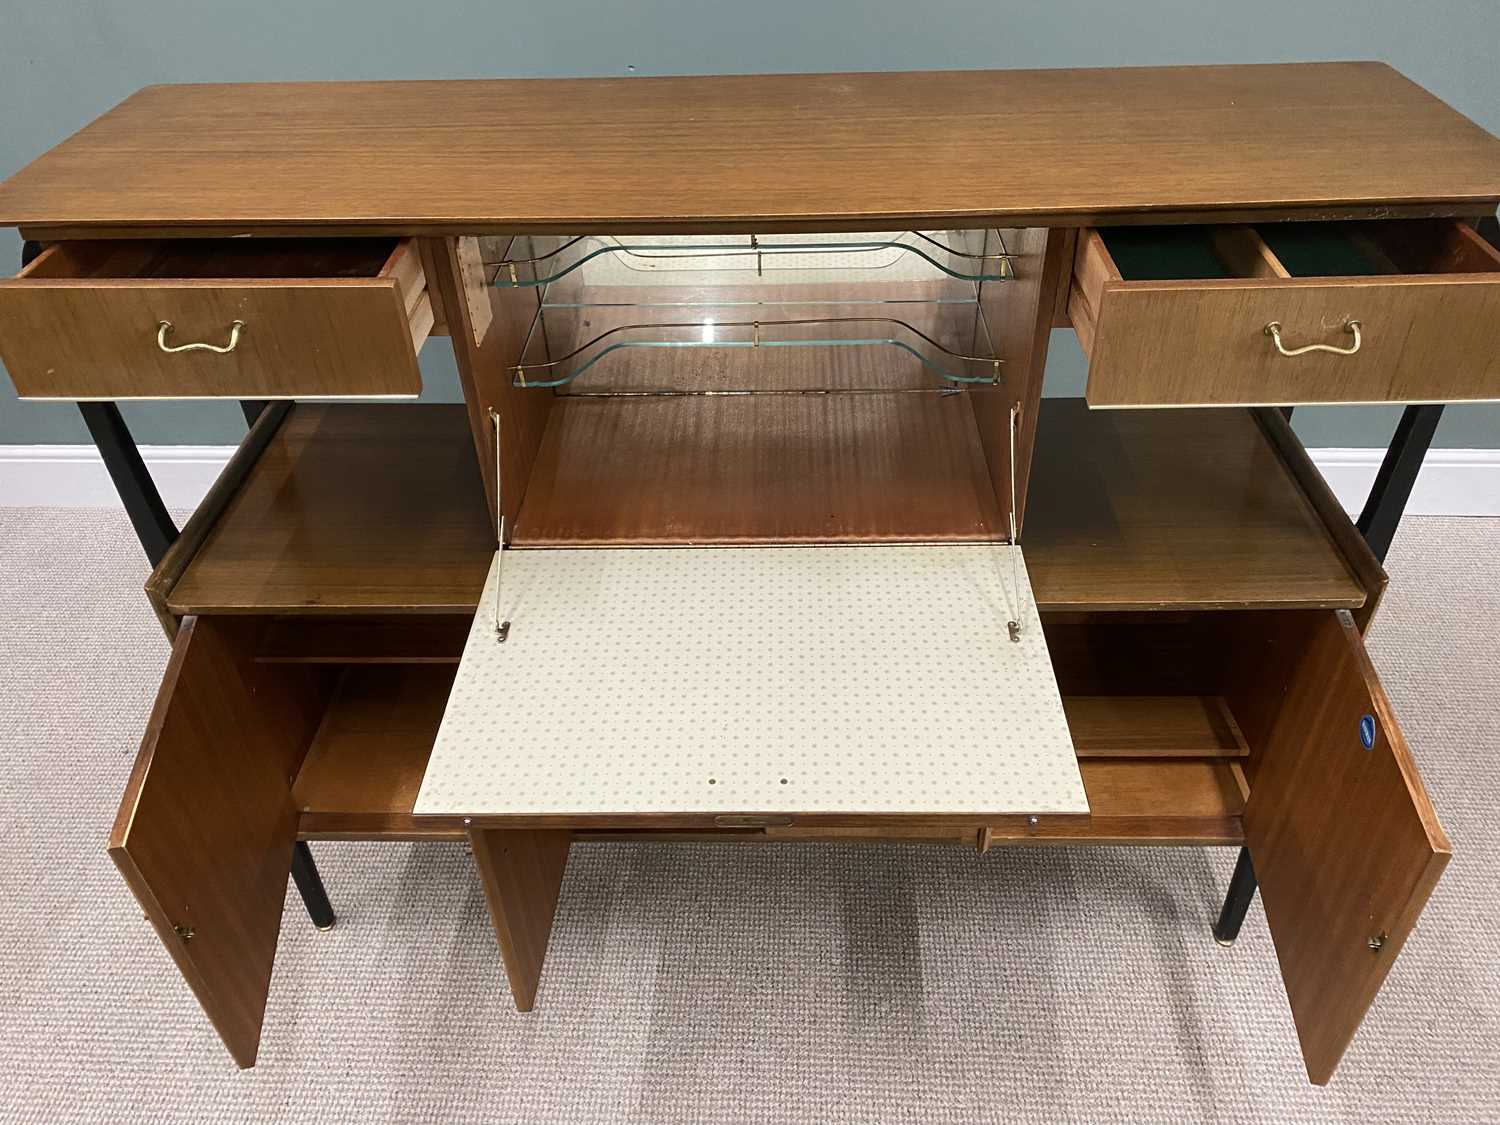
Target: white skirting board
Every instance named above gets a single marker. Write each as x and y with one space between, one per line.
1453 482
73 476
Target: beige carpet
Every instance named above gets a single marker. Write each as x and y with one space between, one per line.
721 983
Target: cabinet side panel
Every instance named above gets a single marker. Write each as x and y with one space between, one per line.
1018 314
485 353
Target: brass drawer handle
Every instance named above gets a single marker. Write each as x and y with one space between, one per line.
165 327
1273 330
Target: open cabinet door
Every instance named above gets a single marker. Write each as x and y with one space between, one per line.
205 830
1344 841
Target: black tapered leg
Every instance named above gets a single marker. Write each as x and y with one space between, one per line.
148 515
310 886
1398 473
1237 901
252 408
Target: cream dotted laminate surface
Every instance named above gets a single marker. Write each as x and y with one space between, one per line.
755 680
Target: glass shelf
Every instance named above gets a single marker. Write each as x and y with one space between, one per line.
967 256
911 345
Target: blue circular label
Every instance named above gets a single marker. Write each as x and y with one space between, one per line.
1367 732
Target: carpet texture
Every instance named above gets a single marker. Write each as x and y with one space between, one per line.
733 982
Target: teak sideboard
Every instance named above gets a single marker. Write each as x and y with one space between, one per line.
753 522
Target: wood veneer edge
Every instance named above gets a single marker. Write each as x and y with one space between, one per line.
195 532
1307 210
1357 557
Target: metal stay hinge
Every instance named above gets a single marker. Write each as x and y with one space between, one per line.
502 628
1013 626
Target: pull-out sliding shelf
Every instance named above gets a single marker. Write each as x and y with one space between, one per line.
754 686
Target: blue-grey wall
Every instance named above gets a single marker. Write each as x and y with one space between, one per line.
65 62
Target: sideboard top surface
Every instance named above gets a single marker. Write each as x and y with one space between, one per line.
764 152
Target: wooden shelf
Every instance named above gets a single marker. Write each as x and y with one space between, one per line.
744 469
350 509
1179 509
361 775
1129 726
377 509
1143 801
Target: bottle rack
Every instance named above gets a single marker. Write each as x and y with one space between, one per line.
860 311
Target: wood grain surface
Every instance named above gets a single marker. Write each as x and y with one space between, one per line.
1140 510
1362 563
303 334
366 763
837 468
1423 339
195 532
1163 726
1042 147
1018 316
205 829
383 513
350 509
1345 842
488 329
1140 801
1426 336
522 873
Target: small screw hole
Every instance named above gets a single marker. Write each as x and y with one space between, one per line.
783 781
713 781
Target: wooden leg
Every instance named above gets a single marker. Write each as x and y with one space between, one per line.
522 871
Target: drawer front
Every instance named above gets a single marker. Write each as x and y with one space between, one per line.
121 338
1208 343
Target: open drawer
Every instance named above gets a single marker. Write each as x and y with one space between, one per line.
1288 313
235 318
1267 728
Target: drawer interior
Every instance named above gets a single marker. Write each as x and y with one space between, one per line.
208 258
1290 250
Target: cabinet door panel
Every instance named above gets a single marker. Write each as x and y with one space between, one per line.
206 827
1344 840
